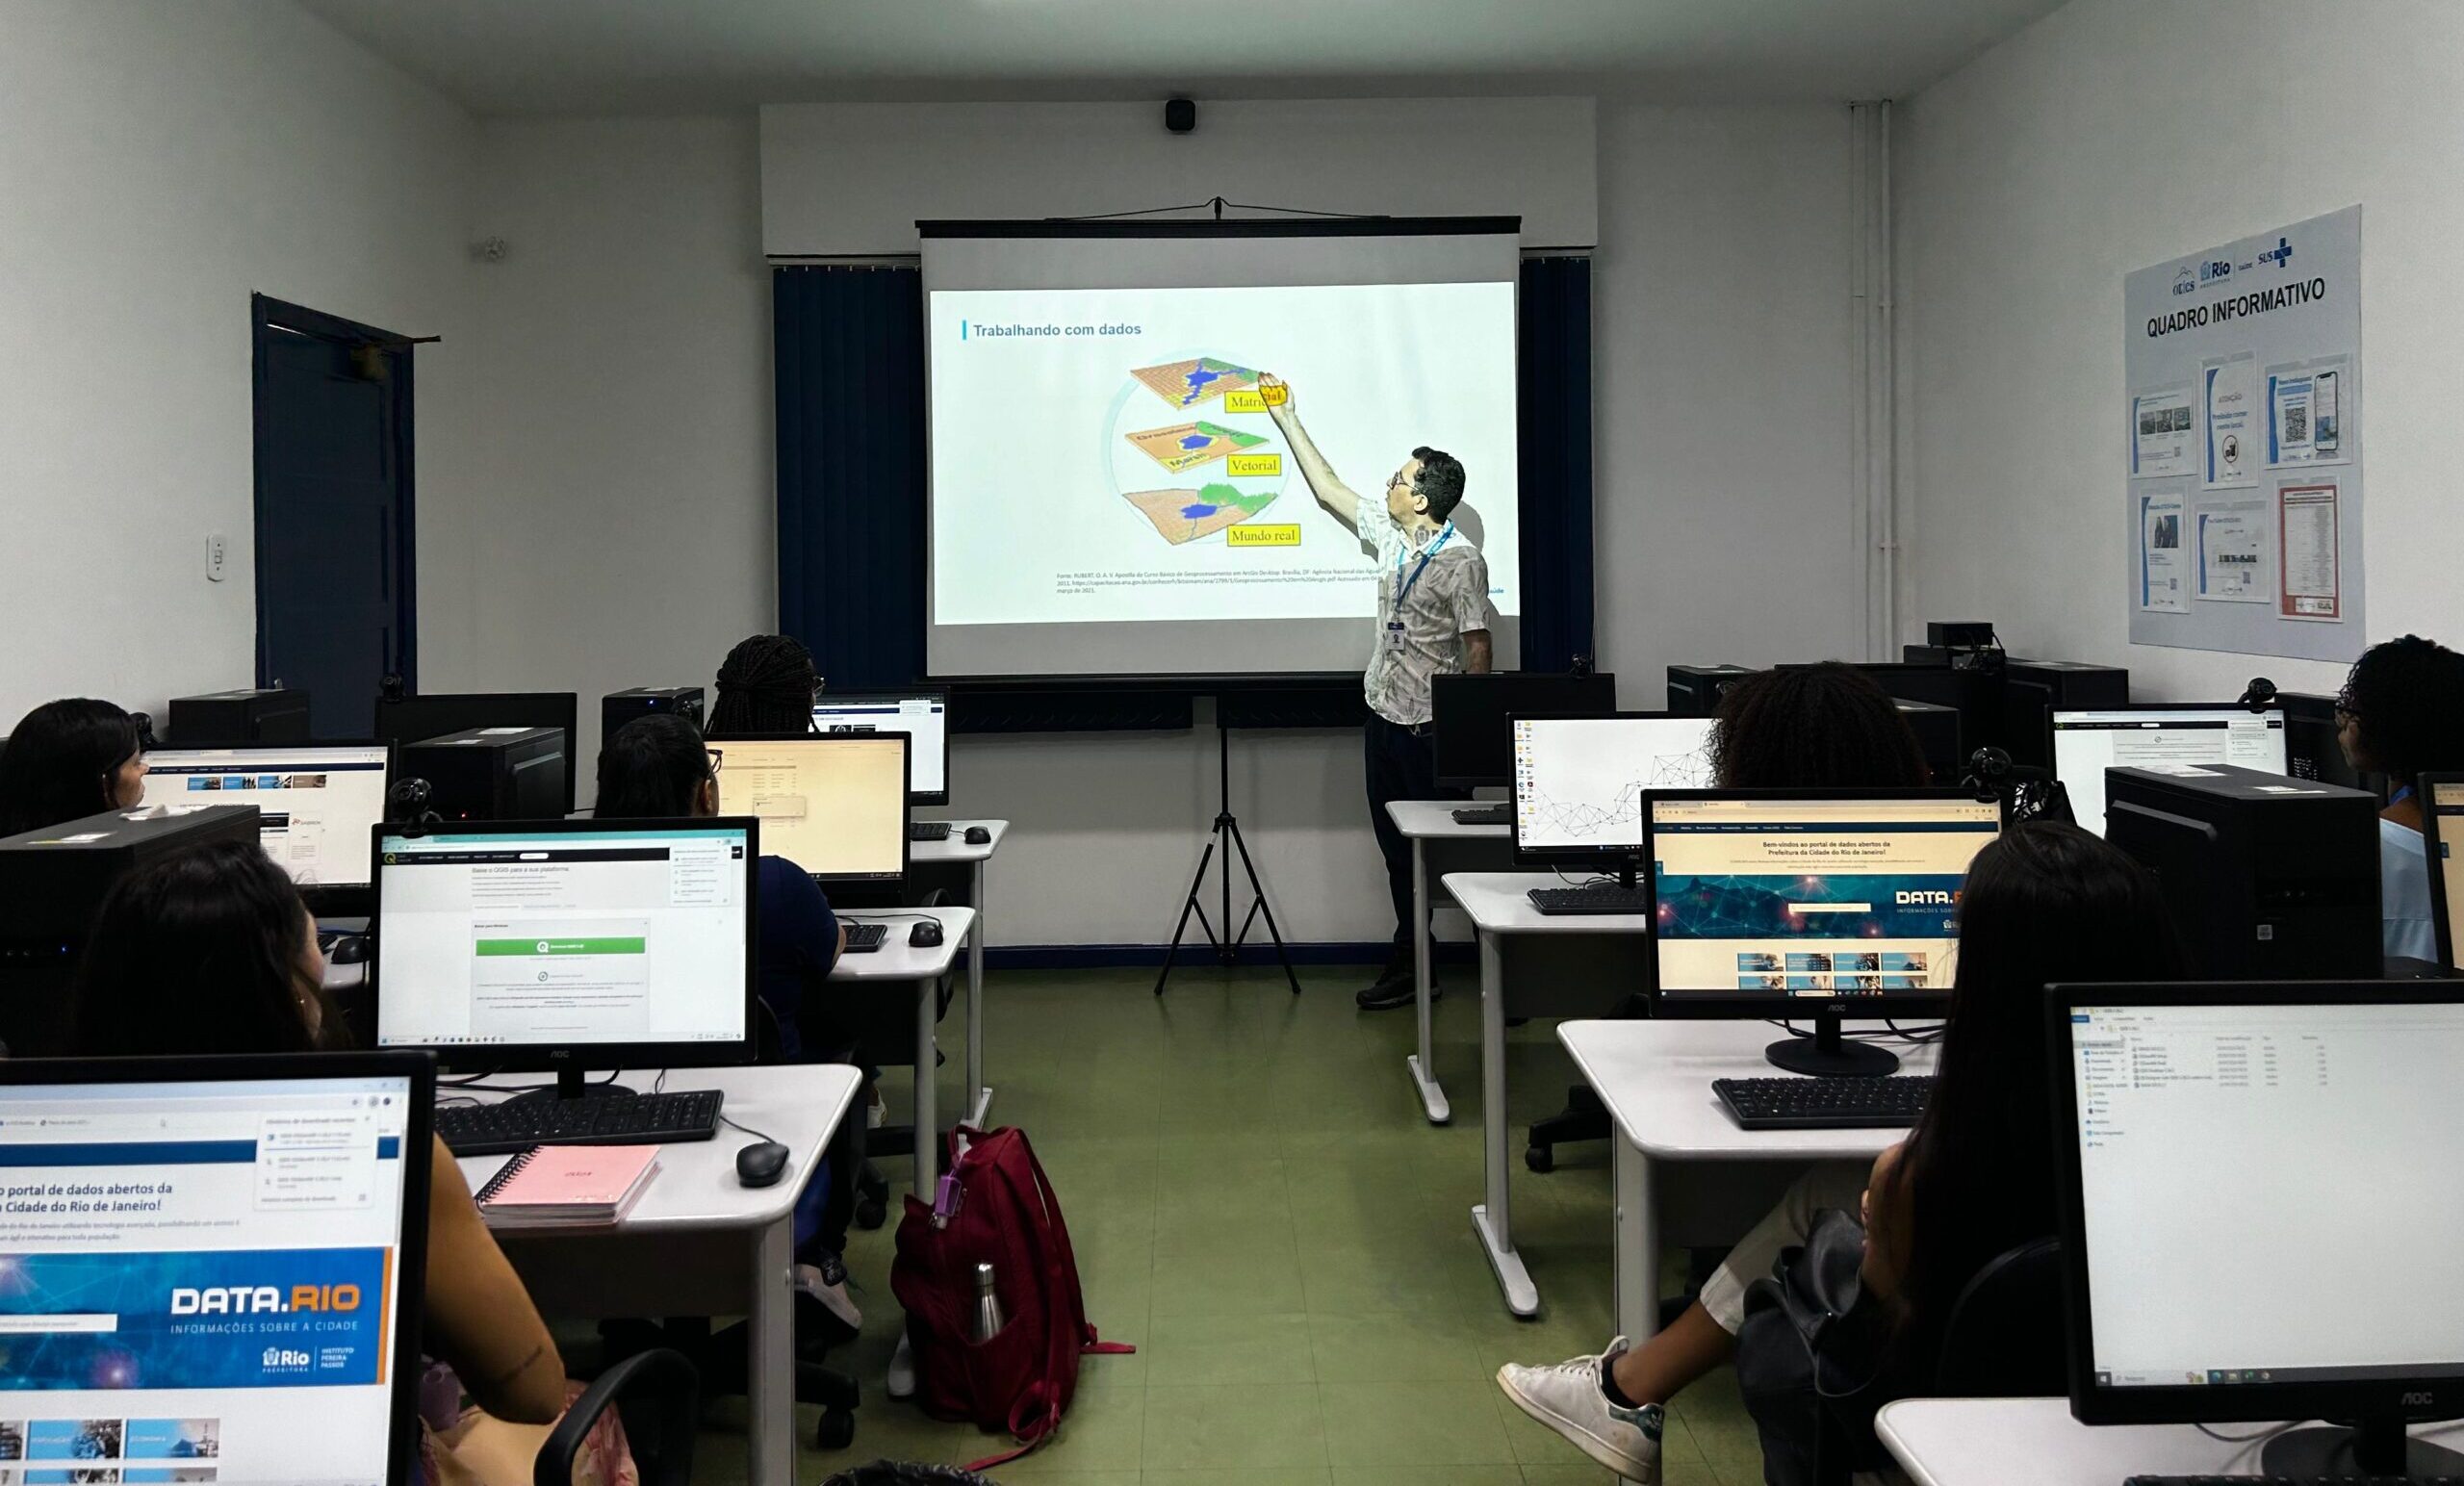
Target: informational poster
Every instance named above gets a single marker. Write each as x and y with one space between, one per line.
2163 433
2247 525
2229 543
2163 586
2312 586
2228 397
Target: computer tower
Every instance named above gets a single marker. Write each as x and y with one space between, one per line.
619 707
491 773
2034 690
1694 691
403 720
269 715
53 880
2268 877
1938 733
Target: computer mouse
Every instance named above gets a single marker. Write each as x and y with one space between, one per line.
762 1164
926 933
349 950
977 835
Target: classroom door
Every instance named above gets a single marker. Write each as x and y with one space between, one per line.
333 513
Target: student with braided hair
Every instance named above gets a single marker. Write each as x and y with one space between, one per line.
767 685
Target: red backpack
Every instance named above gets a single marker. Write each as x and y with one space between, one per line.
1022 1379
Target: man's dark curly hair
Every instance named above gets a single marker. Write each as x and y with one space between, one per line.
2406 699
1821 726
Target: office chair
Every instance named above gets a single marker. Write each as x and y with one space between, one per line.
2006 1332
664 1393
1583 1118
2004 1339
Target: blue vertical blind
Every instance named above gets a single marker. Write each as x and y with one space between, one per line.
849 352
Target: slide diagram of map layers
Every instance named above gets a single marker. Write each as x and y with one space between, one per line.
1183 513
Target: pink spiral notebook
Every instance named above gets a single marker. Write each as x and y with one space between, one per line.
572 1184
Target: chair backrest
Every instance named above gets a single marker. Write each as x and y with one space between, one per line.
2004 1338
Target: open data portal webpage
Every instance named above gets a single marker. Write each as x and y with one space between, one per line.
1812 897
197 1280
569 936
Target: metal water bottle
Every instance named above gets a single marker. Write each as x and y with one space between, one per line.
988 1319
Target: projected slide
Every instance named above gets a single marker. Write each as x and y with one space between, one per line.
1108 457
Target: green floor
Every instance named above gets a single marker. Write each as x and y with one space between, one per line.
1259 1205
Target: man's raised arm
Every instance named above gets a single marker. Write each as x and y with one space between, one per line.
1340 499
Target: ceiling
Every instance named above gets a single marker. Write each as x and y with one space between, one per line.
517 57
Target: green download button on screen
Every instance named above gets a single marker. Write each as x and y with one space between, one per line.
536 948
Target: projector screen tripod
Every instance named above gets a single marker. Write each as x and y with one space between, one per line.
1226 837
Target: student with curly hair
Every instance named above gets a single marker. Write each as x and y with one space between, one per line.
2401 714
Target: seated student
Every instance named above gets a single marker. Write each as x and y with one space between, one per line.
68 760
2045 903
657 768
767 685
2401 714
212 951
1821 726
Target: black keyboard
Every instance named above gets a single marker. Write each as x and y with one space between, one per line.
864 938
1824 1103
593 1119
928 831
1592 898
2294 1480
1485 815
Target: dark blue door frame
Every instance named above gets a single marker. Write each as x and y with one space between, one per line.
398 566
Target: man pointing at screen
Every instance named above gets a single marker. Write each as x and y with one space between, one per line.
1432 620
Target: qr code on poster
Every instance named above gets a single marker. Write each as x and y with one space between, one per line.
2296 424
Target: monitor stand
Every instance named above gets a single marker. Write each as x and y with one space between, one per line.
2373 1446
1827 1054
572 1084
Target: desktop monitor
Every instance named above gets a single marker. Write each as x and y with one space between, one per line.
834 803
567 944
316 807
922 714
1579 784
2442 797
226 1270
2157 735
401 720
1468 731
1811 904
2217 1146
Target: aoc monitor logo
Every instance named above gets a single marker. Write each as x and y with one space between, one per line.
1925 898
2279 255
263 1299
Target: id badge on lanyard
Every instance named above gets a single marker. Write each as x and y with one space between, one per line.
1403 587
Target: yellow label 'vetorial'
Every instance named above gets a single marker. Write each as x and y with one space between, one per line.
1252 534
1254 464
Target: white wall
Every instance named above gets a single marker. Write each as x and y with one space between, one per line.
2108 136
616 529
158 162
627 339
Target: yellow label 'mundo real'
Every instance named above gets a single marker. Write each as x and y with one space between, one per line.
1252 534
1254 464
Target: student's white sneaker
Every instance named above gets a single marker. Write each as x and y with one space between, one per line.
1566 1396
827 1283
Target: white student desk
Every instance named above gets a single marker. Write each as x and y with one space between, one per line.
2034 1442
1432 827
1594 959
1655 1078
899 961
953 850
698 1243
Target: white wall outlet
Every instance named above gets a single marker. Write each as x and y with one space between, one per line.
218 556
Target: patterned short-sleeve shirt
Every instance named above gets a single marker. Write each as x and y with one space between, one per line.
1449 599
